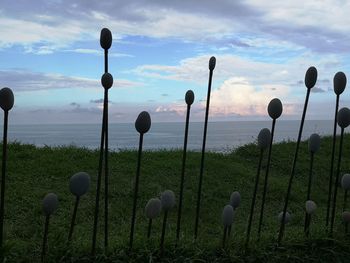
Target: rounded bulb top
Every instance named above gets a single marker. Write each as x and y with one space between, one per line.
167 200
310 207
264 138
346 217
50 204
105 38
212 63
287 217
143 122
314 143
79 184
345 182
153 208
107 80
227 215
6 99
235 199
310 77
343 118
189 97
275 108
339 82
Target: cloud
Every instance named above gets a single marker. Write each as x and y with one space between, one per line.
100 101
236 96
26 80
97 52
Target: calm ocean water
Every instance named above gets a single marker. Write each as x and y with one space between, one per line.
222 136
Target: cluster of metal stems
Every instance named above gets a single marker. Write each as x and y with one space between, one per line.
80 182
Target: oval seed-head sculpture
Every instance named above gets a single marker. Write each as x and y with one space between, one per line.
105 38
339 82
286 219
6 99
107 80
310 207
167 199
314 143
189 97
143 122
310 77
212 63
79 184
345 182
50 204
264 138
346 217
275 108
343 118
227 215
235 199
153 208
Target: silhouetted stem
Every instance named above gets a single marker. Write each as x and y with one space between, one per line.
163 232
336 182
106 170
178 226
281 231
224 237
136 189
254 197
308 195
266 179
3 176
149 228
73 218
332 161
202 157
46 230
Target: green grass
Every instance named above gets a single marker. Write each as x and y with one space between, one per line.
33 172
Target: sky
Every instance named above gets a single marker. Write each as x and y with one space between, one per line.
50 56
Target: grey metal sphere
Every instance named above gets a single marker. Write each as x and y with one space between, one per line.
339 82
310 207
153 208
345 182
310 77
212 63
143 122
107 80
167 199
264 138
346 217
79 184
227 215
6 99
343 118
189 97
287 218
105 38
235 199
275 108
314 143
50 204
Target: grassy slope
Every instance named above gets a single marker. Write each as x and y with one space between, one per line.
33 172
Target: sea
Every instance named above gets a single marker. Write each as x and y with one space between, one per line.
221 136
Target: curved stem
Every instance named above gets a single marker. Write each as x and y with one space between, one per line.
3 176
73 218
163 232
202 158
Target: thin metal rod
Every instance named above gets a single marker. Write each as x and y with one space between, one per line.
261 217
3 177
46 230
281 231
73 218
106 170
254 197
307 225
136 189
330 186
149 228
202 158
98 188
163 232
308 195
224 237
178 226
336 182
345 200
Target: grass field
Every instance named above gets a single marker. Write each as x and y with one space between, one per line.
33 172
